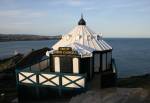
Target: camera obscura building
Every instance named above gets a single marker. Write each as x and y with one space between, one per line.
71 64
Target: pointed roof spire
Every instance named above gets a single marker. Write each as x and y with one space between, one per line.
82 15
81 21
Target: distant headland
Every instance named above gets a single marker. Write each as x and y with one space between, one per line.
26 37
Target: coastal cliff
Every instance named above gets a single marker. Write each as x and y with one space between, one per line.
25 37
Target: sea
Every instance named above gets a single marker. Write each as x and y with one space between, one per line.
132 55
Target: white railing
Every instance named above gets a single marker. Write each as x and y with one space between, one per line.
65 80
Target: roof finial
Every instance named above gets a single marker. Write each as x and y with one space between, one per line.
82 15
81 21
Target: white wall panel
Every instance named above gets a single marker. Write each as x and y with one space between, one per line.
57 64
23 77
46 81
80 82
75 65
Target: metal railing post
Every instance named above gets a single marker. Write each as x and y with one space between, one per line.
60 84
37 87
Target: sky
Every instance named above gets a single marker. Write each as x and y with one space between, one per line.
112 18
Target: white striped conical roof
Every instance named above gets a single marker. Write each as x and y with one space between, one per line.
83 40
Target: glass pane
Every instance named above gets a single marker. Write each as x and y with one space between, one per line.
104 62
43 64
108 60
96 62
35 67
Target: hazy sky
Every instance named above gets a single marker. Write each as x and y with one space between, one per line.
114 18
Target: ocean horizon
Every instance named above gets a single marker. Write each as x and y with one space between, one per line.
131 54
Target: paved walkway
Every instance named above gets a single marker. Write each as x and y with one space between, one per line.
113 95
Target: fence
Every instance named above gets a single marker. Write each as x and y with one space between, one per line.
60 81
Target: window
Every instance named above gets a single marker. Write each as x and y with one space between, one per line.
44 64
96 62
35 67
104 62
108 60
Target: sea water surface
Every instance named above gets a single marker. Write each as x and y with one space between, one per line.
132 55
